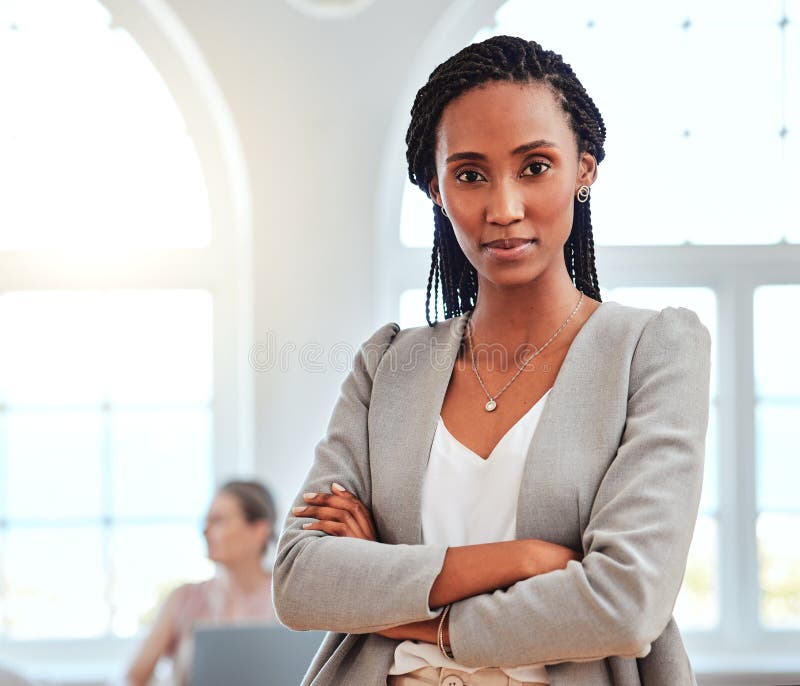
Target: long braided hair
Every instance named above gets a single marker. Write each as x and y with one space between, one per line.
500 58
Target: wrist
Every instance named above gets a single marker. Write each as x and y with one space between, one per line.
443 633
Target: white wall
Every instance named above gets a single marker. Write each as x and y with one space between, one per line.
312 100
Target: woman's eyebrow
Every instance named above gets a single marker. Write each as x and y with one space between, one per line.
525 147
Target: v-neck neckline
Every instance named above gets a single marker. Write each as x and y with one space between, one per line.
504 436
456 330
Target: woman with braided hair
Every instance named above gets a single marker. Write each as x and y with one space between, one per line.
522 516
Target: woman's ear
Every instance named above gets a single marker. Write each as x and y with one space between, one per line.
433 188
587 169
261 531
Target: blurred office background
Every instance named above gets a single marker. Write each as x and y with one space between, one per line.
204 209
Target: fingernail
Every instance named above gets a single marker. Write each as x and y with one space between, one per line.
338 487
298 510
308 524
308 496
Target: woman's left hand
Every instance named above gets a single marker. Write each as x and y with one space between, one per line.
338 513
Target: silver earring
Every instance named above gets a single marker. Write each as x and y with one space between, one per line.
444 212
583 194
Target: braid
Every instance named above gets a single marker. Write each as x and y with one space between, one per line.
579 251
433 276
500 58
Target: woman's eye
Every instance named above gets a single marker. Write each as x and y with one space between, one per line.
473 175
538 168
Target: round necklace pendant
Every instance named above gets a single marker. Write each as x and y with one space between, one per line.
490 405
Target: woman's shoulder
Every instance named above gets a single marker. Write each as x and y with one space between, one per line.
437 331
195 594
659 335
392 340
670 317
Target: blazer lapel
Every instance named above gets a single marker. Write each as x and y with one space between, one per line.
404 412
547 503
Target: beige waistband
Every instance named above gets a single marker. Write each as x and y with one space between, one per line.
444 676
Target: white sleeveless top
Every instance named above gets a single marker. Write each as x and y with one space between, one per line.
467 500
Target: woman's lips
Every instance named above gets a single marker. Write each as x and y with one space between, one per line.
518 249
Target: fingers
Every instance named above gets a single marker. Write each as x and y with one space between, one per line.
334 529
360 512
332 514
340 507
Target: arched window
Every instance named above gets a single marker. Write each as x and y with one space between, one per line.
692 208
123 307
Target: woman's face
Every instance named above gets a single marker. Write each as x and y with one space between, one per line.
507 166
229 536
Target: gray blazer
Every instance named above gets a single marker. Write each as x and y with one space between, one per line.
615 470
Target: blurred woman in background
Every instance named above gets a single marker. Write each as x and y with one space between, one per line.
239 527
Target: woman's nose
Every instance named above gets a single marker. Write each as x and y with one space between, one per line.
505 203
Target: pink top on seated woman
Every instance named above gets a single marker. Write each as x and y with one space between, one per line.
240 525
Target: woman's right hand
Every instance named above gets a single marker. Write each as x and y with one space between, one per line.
339 513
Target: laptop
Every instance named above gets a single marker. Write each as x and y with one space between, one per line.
252 655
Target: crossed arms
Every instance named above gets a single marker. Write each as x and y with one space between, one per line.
615 600
466 571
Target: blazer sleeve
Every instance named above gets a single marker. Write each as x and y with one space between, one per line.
344 584
619 598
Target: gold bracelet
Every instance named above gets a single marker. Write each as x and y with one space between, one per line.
440 634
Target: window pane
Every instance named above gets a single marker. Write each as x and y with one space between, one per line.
51 347
54 464
709 498
777 463
714 54
776 332
164 454
81 347
779 569
3 576
4 489
791 93
412 307
161 346
147 562
116 166
41 603
697 605
682 51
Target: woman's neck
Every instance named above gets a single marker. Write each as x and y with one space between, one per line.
514 317
246 577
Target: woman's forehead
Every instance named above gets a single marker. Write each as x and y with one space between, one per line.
497 117
224 502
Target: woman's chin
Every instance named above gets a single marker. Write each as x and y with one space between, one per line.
215 557
511 278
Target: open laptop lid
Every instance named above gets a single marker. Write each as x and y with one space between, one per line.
252 655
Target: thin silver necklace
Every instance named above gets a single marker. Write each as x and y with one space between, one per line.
492 402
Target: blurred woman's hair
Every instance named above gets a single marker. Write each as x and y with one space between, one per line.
256 502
